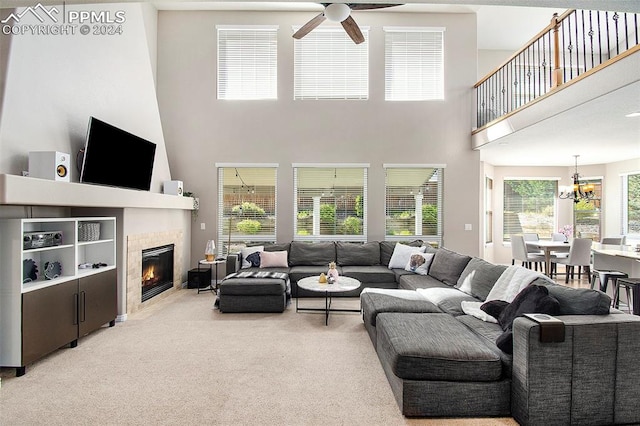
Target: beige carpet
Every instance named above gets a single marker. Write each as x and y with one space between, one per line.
181 362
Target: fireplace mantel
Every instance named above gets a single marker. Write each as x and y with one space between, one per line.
28 191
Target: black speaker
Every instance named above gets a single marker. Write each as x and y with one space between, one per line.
199 278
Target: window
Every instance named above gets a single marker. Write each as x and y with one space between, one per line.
587 214
331 202
414 64
247 62
329 65
529 206
631 206
488 210
247 207
414 202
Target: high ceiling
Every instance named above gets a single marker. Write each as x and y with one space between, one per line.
504 25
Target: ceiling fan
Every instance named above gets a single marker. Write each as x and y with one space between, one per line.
340 12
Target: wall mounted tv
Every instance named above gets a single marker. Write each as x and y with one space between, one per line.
115 157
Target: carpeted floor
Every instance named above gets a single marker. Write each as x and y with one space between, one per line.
182 362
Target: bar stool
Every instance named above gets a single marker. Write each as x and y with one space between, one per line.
604 276
628 284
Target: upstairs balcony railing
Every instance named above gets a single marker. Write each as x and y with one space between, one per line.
571 45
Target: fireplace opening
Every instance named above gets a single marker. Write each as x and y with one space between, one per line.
157 271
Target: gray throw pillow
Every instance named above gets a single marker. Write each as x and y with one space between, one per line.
479 277
312 254
448 265
358 254
580 301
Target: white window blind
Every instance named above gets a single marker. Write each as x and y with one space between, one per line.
329 65
414 201
247 62
331 203
414 64
246 206
529 207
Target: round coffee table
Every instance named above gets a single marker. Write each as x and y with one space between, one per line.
342 285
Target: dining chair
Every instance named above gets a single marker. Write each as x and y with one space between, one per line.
579 255
519 253
532 236
615 241
557 236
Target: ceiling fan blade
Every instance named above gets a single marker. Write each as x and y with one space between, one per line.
309 26
353 30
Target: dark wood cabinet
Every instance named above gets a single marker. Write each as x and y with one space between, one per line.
98 302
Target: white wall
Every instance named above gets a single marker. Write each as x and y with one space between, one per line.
201 130
55 82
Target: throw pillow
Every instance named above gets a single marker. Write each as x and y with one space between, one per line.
274 259
246 251
580 301
254 258
419 263
401 255
533 299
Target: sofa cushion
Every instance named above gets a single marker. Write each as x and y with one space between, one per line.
357 254
580 301
387 247
447 266
277 247
253 286
448 299
419 263
402 254
409 281
312 254
478 277
434 347
374 303
298 272
370 274
488 332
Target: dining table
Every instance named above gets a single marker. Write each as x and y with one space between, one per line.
548 246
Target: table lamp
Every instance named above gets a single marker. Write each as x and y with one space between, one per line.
210 250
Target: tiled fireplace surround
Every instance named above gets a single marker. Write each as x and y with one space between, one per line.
135 245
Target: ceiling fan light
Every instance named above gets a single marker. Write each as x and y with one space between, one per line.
337 12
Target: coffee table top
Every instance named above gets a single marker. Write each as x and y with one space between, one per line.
341 285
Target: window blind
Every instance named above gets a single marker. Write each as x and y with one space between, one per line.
331 203
529 206
247 62
413 203
246 205
329 65
414 64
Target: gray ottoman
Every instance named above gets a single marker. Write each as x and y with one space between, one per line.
254 294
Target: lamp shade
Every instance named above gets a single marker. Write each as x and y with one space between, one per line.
210 250
337 12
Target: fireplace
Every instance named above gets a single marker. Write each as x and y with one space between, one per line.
157 270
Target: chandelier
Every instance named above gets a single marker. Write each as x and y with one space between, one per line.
578 191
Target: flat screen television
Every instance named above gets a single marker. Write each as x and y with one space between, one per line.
115 157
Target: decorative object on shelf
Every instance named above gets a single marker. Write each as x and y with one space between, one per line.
32 240
196 203
52 270
322 279
567 231
578 191
29 270
210 251
88 231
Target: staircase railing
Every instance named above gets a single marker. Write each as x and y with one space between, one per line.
571 45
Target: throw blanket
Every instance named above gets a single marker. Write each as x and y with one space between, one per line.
512 281
258 274
400 293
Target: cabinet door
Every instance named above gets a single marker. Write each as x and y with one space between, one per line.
49 320
98 300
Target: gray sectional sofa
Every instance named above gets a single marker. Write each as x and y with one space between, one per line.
442 362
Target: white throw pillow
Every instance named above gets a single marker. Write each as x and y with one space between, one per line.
246 251
419 263
401 255
273 259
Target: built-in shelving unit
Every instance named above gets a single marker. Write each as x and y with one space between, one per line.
43 309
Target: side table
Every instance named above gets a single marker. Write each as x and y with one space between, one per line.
213 286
